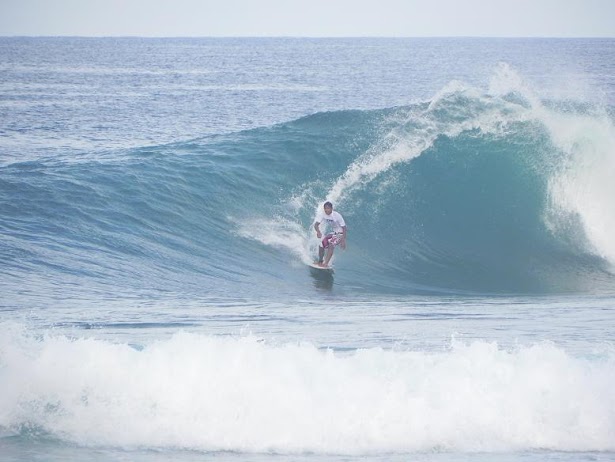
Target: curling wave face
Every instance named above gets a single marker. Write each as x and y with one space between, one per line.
474 191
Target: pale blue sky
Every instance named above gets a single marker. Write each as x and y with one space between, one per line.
311 18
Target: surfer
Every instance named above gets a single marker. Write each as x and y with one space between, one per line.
334 233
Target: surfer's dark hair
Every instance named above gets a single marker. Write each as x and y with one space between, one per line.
328 204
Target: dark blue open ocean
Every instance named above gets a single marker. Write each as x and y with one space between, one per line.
156 202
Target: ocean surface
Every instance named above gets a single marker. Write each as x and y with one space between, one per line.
156 203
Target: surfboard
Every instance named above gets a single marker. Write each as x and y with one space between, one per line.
327 269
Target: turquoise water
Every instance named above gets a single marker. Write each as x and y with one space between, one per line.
156 199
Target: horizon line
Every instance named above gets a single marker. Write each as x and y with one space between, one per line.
312 36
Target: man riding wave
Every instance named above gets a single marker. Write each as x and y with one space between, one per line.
334 232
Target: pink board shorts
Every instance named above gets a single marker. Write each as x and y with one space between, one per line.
332 239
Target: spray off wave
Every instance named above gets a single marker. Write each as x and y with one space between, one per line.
243 394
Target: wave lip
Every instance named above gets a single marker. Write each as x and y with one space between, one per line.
242 394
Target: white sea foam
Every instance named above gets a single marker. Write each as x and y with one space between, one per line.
280 233
584 187
244 394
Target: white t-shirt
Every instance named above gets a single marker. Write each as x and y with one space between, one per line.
330 223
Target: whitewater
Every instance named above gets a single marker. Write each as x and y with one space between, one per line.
156 203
